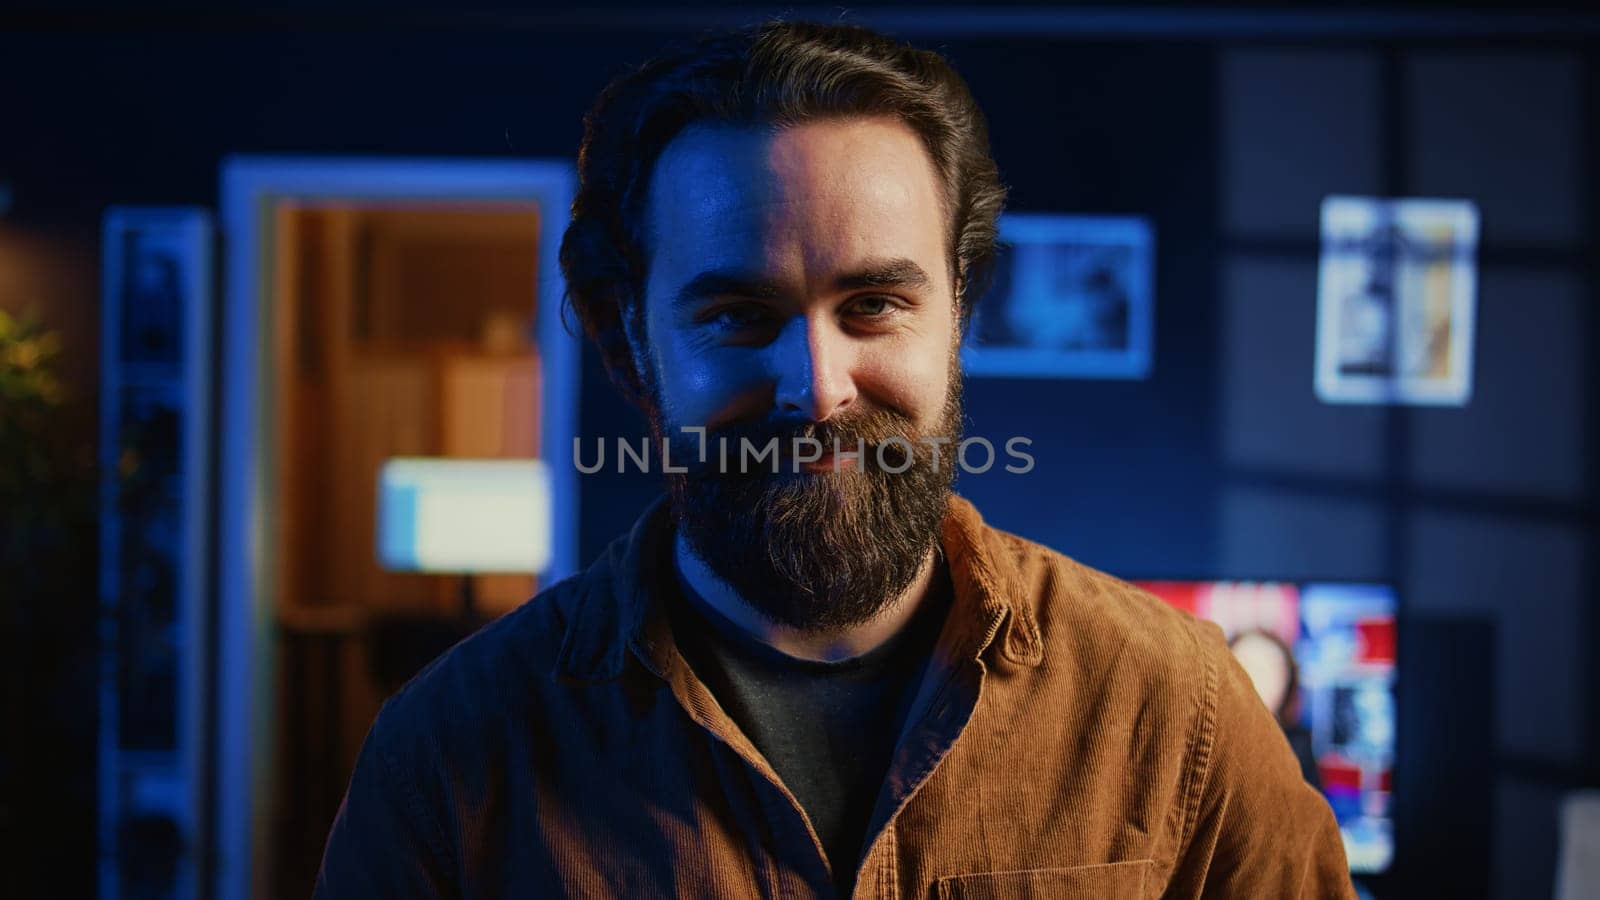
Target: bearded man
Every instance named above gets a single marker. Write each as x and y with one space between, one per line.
823 676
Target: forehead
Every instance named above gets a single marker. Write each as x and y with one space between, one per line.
816 194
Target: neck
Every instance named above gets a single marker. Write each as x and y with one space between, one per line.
798 642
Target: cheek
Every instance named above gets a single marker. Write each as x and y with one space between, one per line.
910 381
698 383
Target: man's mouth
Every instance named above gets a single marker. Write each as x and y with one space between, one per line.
799 460
828 462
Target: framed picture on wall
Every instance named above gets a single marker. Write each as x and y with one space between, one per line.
1072 297
1396 298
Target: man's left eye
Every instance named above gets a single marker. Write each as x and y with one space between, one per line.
873 306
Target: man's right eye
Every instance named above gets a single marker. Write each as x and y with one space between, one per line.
736 317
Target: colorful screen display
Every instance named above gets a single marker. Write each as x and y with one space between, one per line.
1338 709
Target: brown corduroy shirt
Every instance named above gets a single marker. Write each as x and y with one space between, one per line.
1073 737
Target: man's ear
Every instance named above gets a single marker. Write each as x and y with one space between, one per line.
963 309
633 332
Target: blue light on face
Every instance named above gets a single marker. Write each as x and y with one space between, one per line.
789 274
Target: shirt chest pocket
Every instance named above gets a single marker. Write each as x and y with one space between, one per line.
1110 881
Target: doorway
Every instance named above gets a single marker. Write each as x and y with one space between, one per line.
374 309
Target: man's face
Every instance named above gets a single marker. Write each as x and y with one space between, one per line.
799 286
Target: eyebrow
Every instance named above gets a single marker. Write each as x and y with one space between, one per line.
888 273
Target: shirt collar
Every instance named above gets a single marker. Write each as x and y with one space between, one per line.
620 612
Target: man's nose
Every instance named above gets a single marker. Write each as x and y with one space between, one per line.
811 363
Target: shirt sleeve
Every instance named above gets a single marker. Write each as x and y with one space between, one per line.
383 843
1259 830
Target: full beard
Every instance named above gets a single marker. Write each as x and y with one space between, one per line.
818 552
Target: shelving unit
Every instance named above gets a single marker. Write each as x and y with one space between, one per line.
154 493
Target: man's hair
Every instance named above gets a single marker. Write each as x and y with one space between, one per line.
777 74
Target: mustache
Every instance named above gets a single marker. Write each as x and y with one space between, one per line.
868 429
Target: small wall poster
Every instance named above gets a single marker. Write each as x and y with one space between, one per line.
1072 297
1396 299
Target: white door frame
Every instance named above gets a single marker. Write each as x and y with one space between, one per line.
251 186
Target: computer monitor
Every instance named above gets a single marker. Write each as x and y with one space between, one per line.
1342 638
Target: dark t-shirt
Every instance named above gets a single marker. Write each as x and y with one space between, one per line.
828 728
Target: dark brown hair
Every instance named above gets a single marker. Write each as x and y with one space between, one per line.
777 74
